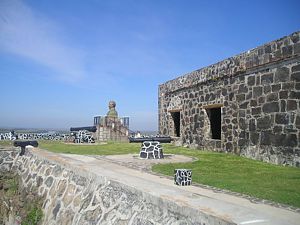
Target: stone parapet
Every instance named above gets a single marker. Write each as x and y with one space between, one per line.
272 52
79 196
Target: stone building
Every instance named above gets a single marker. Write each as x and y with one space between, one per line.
111 127
247 104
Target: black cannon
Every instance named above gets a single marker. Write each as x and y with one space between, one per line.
23 145
90 129
161 139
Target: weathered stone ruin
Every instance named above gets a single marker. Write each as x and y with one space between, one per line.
247 104
111 127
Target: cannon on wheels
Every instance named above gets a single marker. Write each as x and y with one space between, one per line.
23 145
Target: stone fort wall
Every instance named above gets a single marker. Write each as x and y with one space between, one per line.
247 104
75 196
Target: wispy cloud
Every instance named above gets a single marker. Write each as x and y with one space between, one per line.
28 34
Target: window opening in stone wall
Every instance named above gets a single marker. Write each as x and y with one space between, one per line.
214 115
176 119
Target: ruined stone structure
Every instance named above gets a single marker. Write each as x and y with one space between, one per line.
247 104
111 127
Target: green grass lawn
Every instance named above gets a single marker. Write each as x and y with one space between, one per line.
111 148
258 179
5 143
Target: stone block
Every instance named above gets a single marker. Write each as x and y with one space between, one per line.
251 80
257 91
294 38
252 125
151 150
270 107
297 48
282 118
287 50
242 89
183 177
291 105
294 95
249 95
268 49
256 111
262 99
267 89
282 74
264 122
298 121
49 181
283 94
240 97
244 105
267 78
296 68
242 123
242 142
277 129
272 97
253 103
288 86
276 87
266 138
290 140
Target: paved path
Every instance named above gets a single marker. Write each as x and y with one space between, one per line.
228 207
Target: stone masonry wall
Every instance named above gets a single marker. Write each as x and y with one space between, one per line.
73 196
258 92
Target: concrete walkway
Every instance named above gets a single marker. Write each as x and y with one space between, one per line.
227 207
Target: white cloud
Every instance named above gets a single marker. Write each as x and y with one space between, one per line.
25 33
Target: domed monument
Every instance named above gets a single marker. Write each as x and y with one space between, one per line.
111 127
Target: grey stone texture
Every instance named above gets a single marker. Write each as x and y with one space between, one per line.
111 129
79 197
258 92
151 150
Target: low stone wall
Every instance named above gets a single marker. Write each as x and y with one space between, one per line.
7 158
73 196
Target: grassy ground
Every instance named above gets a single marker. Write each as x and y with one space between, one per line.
6 143
262 180
111 148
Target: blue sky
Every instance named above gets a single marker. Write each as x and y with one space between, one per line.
62 61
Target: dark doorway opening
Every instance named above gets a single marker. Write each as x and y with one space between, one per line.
215 122
176 119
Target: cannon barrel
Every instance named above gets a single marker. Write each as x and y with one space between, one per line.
166 139
23 145
90 129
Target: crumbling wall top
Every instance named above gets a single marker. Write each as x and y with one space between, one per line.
278 50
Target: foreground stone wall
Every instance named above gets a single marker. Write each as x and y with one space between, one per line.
34 136
73 196
258 92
